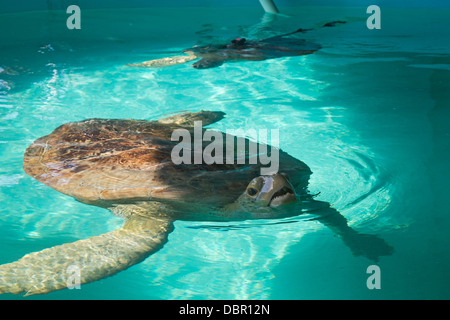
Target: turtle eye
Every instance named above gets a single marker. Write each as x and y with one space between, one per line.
252 192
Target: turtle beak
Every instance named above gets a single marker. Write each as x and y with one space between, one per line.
276 191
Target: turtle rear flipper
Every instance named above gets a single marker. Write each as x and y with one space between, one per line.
85 260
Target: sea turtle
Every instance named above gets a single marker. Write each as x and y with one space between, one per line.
125 166
241 49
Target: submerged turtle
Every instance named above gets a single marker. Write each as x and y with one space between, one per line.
126 167
241 49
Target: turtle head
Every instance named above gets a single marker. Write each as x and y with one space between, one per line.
270 191
268 196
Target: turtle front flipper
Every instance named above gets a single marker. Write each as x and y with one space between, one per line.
187 119
360 244
165 62
85 260
209 62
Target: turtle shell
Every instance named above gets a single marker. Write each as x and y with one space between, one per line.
110 161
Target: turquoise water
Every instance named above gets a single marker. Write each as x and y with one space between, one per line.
368 113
